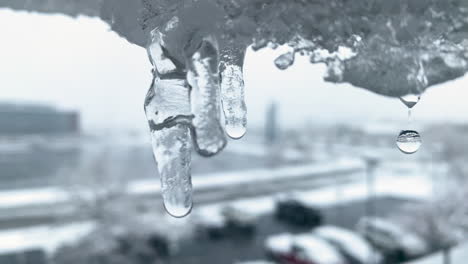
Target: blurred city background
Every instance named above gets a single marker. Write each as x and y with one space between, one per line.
317 179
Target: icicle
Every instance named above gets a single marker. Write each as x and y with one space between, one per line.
285 61
167 109
232 92
203 77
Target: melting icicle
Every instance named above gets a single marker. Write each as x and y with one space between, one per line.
409 141
285 61
209 135
232 93
167 109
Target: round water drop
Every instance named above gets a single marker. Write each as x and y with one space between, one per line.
410 100
285 61
178 203
409 141
235 131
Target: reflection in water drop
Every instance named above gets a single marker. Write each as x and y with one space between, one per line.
409 141
410 100
284 61
235 131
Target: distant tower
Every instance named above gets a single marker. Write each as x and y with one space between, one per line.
271 124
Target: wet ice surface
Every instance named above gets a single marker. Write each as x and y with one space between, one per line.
284 61
209 135
232 97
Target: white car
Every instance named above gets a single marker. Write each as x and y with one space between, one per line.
302 249
350 244
392 239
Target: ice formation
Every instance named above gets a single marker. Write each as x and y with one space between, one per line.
197 47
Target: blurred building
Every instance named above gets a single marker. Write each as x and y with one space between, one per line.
271 124
28 119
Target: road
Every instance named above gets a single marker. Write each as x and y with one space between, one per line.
208 189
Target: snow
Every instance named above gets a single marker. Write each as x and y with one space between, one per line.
406 239
30 197
51 195
409 186
318 250
351 242
459 255
279 243
48 238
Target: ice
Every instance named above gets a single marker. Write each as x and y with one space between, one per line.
167 108
232 92
209 135
390 40
172 150
409 141
285 60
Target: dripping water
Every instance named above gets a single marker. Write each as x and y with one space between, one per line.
409 140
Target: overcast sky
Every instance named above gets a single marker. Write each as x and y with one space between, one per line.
80 64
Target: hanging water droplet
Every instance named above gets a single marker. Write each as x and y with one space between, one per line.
285 61
209 135
409 141
232 93
410 100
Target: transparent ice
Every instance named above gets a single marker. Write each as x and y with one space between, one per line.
232 93
203 77
285 61
167 108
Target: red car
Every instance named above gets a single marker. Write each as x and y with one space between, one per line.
302 249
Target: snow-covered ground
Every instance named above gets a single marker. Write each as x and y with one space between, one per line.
51 196
458 255
48 238
411 186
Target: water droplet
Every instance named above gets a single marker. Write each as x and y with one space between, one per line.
285 61
410 100
232 97
209 135
409 141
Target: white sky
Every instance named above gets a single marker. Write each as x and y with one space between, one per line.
80 64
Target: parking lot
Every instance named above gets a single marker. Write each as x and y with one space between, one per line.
242 248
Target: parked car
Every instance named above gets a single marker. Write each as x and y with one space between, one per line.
395 243
228 221
292 210
301 249
351 245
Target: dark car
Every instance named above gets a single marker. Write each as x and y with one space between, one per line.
296 212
